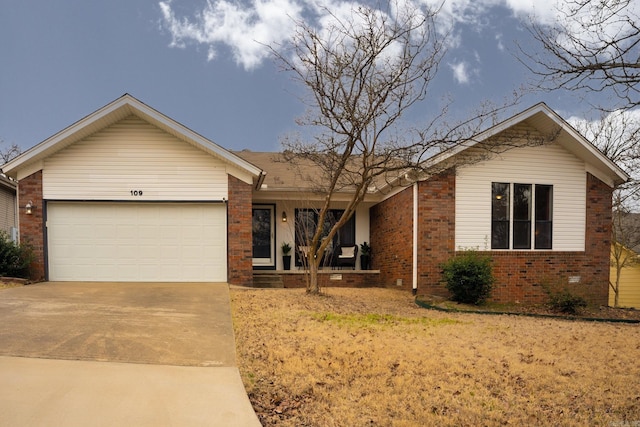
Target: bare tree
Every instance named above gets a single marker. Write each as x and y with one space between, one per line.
617 135
594 46
9 152
363 72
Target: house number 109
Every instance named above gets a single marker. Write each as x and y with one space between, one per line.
136 192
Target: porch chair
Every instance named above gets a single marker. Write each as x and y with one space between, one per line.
301 255
346 256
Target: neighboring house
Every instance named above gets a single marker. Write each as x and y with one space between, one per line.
8 206
128 194
629 286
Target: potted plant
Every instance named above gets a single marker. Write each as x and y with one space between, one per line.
286 255
365 256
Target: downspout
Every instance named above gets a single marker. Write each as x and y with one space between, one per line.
414 290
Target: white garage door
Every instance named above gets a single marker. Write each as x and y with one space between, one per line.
143 242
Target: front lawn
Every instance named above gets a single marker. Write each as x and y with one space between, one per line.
371 357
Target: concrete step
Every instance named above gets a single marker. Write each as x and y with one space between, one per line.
267 281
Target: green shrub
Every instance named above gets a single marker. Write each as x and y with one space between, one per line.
14 259
566 302
469 277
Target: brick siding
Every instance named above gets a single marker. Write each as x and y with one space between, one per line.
347 279
239 233
391 229
32 226
526 276
436 229
522 276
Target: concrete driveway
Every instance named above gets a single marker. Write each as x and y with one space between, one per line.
102 354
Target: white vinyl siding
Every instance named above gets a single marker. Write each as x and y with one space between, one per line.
148 242
133 155
548 165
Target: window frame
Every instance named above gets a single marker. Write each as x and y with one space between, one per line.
500 195
539 243
525 203
345 236
521 218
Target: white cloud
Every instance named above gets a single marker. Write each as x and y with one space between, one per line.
596 29
500 43
460 72
617 134
246 27
541 11
622 122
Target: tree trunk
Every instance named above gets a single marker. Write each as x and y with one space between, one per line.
313 287
616 291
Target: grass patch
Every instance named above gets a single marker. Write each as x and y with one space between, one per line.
7 285
375 319
371 357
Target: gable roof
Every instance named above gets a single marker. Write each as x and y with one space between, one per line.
113 112
543 118
284 177
302 176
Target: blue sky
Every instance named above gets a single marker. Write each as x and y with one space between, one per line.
198 62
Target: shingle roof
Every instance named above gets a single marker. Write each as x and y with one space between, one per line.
283 176
280 174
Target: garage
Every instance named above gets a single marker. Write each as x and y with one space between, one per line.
129 194
140 242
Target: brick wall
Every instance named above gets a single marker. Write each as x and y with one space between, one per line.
239 237
391 225
392 229
32 226
436 230
347 279
521 275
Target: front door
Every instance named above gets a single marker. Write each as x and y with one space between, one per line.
263 236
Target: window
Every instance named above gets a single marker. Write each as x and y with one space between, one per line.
522 216
306 225
544 214
512 218
500 216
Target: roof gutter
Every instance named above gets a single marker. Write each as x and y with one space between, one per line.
8 183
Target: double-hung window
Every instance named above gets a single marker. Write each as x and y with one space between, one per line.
521 216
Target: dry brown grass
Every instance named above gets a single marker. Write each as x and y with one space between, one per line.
357 357
7 285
